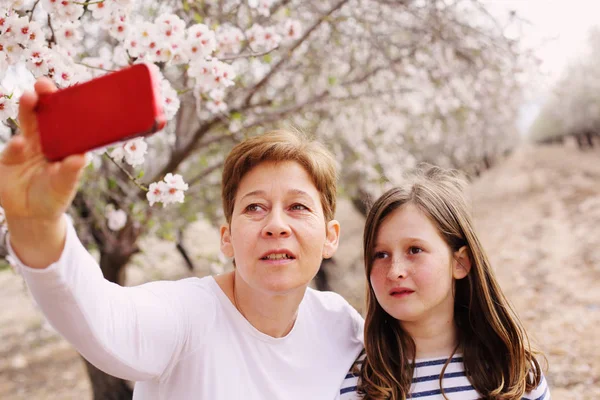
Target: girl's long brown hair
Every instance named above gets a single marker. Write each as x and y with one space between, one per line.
498 358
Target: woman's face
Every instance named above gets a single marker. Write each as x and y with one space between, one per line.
278 235
414 269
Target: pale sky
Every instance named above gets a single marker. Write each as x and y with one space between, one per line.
557 30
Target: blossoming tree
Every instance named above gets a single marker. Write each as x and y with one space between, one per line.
384 83
573 106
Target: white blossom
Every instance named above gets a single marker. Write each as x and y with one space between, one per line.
170 190
263 39
8 106
170 100
201 42
116 219
229 39
216 104
175 181
292 29
135 151
262 6
156 192
102 10
69 34
119 26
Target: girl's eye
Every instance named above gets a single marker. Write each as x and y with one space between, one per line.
379 255
414 250
299 207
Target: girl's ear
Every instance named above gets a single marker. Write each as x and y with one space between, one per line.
461 266
226 246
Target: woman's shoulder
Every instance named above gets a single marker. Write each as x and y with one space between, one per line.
326 301
333 307
184 286
184 294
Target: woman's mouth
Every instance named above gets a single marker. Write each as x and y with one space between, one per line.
278 256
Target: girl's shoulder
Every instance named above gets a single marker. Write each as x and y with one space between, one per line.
427 372
542 392
348 390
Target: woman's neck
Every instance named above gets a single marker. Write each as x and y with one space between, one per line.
273 315
433 337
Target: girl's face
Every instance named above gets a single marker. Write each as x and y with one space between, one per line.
413 269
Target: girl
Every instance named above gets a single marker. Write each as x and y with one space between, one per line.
437 324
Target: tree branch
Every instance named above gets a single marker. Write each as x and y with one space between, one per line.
205 173
134 180
178 156
246 55
287 57
33 9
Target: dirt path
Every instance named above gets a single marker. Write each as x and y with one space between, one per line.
539 217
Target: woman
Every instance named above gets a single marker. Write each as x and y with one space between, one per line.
438 325
258 332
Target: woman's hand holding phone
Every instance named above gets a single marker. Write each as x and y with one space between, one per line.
35 192
40 168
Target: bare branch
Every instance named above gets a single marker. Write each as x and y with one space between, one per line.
53 37
134 180
247 55
205 173
178 156
33 9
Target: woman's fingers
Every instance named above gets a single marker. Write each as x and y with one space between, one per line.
14 152
27 104
44 86
27 118
64 175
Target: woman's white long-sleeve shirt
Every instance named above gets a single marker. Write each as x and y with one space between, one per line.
185 339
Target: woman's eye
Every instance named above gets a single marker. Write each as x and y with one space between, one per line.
414 250
253 207
379 255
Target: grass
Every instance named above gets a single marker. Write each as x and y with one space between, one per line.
4 265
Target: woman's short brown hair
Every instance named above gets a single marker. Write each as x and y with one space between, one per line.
281 146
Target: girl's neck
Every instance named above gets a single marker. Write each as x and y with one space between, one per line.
434 337
273 315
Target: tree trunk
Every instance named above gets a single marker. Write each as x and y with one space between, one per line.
115 253
322 278
362 201
107 387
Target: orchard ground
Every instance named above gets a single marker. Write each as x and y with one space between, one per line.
537 212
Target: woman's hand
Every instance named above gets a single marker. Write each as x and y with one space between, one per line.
33 191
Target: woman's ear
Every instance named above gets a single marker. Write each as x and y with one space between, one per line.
226 246
332 238
461 266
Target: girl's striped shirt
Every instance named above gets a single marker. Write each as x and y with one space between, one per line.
426 386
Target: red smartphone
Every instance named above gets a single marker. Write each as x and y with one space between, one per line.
114 107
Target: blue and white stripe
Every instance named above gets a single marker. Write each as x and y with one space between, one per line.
426 382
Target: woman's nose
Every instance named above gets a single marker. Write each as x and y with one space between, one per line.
276 225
